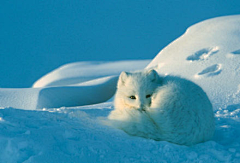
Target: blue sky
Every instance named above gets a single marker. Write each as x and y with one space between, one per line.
39 36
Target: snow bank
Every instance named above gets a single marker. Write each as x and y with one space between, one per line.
75 84
19 98
79 72
208 54
92 92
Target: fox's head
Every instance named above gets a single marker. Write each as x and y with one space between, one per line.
134 90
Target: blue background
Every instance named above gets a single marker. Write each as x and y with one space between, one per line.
39 36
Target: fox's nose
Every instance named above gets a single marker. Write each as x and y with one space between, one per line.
142 108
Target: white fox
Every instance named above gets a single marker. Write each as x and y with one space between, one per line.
166 108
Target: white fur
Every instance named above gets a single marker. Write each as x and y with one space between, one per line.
178 110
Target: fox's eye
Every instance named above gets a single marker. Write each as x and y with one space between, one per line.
148 96
132 97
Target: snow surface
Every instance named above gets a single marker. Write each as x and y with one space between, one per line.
208 54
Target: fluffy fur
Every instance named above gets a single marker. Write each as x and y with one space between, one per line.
162 108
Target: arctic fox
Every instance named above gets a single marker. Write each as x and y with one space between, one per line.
165 108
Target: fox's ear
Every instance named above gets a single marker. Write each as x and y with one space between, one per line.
122 78
153 75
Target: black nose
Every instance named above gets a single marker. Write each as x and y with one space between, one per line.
142 109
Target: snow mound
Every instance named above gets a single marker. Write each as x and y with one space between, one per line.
79 72
76 84
208 54
92 92
87 93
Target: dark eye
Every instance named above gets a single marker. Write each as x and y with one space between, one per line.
132 97
148 96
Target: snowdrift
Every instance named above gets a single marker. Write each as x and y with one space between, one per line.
75 84
79 72
208 54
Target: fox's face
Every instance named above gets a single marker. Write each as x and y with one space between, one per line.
135 89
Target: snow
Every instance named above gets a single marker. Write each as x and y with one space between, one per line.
208 54
75 135
75 73
74 84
